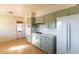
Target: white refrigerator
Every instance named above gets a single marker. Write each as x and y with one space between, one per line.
68 34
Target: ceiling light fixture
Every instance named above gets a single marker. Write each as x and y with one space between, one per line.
10 12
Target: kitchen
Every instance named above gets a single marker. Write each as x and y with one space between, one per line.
53 30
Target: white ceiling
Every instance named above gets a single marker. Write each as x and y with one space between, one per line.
38 7
24 9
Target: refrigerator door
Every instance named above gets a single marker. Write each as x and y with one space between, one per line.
68 34
62 34
74 43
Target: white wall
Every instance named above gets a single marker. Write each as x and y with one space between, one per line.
8 27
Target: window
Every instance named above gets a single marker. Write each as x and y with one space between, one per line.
19 26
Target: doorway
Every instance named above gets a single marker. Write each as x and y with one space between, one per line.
19 29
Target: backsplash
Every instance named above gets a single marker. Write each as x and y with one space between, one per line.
44 29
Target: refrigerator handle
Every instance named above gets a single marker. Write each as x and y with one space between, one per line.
68 37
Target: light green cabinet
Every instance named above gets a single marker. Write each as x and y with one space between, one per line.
33 21
30 21
47 44
49 20
52 21
74 10
43 43
62 13
39 20
36 40
68 11
29 38
46 20
50 44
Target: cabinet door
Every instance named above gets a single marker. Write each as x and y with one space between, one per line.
43 43
74 10
46 20
51 21
46 45
29 38
28 21
37 40
39 19
50 45
33 21
62 13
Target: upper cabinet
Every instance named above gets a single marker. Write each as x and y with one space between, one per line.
62 13
74 10
39 20
68 11
33 20
50 21
28 21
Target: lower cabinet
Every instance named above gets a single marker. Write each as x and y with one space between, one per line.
36 40
29 38
48 44
44 42
37 43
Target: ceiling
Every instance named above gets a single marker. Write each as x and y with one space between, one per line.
38 7
23 9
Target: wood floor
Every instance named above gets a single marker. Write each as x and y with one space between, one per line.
20 46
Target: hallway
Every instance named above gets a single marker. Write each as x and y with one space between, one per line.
20 46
